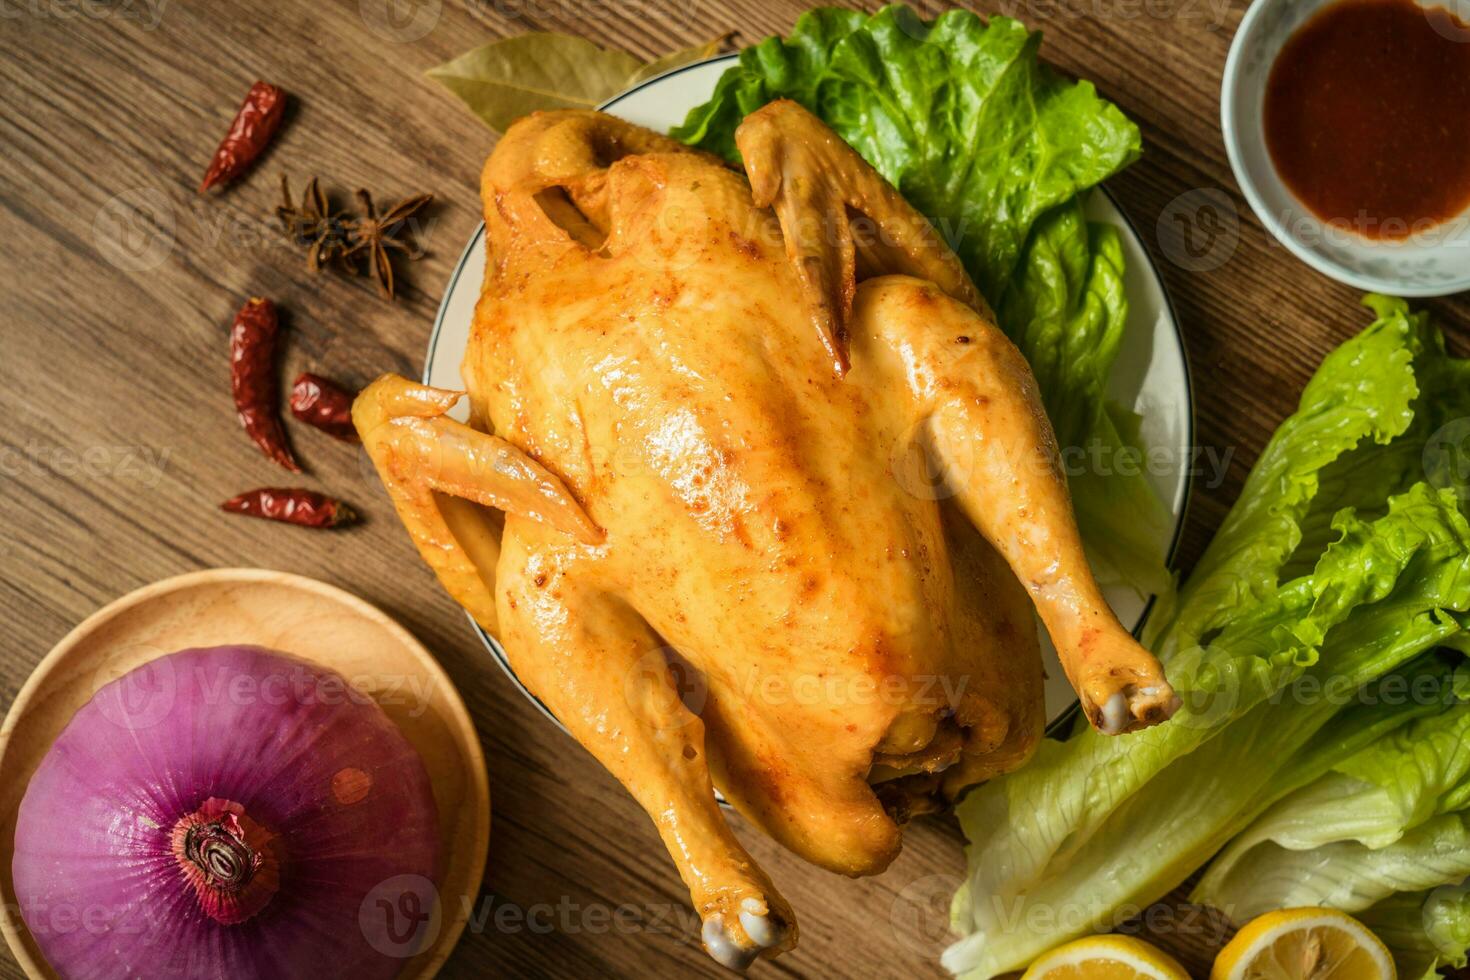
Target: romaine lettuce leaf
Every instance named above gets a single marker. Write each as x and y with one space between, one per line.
1115 823
1434 683
1360 397
1374 800
1433 447
1423 930
995 149
1128 819
1360 832
1345 874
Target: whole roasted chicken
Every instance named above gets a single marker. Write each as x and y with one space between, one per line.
755 495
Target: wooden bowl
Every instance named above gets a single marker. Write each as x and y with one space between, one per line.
294 615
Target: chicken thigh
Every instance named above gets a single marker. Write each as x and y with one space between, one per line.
755 495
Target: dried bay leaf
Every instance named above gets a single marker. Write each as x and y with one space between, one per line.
675 59
506 79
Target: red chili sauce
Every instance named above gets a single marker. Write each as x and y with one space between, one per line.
1367 116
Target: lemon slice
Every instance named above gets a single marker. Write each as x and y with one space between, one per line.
1304 944
1106 958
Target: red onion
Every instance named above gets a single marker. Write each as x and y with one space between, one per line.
233 813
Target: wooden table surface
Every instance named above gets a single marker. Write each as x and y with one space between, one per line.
119 439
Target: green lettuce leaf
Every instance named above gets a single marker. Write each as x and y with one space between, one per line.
1423 930
1361 396
1425 688
1113 824
1125 825
1434 446
959 114
1338 450
995 149
1345 874
1373 801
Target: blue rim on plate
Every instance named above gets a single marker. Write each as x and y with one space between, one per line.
1058 725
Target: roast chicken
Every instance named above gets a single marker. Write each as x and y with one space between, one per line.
755 495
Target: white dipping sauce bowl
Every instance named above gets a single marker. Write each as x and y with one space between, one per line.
1429 262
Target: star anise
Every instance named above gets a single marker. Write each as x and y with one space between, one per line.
359 242
313 225
372 236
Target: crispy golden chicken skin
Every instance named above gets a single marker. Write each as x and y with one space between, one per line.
758 433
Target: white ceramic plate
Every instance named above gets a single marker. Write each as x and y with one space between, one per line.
1151 374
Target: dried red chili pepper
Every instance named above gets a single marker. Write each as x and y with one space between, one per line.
291 505
322 403
253 378
250 132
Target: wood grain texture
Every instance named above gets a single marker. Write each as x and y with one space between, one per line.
119 439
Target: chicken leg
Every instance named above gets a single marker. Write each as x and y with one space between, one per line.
625 709
556 625
969 390
972 394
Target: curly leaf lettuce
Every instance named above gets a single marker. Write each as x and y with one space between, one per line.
995 149
957 113
1252 648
